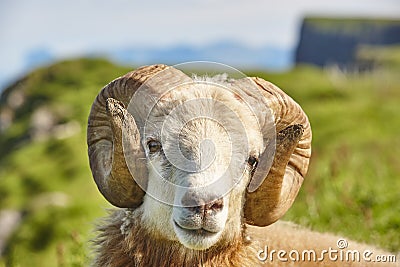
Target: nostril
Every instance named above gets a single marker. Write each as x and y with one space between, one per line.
216 205
197 203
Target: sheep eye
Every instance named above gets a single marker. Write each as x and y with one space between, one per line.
253 162
154 146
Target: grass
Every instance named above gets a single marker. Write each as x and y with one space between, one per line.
351 188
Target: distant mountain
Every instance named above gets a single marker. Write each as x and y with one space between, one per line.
230 53
37 57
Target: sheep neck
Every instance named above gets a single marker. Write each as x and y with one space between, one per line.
138 247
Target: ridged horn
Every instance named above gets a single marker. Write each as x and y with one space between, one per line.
107 123
276 194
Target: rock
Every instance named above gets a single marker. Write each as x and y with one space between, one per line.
9 222
50 199
42 121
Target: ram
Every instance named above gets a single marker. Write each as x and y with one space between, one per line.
201 169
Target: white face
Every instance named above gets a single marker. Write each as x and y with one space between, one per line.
198 159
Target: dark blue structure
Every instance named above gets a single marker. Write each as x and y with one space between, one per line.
327 41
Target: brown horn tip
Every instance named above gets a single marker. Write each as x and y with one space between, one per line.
114 107
290 134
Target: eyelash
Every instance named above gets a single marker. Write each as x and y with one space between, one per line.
154 146
253 162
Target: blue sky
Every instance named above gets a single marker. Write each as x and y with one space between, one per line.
73 28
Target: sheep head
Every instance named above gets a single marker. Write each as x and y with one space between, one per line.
197 158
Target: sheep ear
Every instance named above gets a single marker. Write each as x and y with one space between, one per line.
279 188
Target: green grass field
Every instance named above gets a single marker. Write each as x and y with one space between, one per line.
352 188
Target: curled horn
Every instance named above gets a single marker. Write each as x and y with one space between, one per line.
107 122
276 194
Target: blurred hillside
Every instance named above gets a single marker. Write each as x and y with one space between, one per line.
44 172
352 187
329 41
